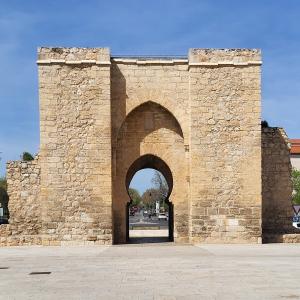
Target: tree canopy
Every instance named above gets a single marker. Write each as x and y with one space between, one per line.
158 192
296 186
3 183
26 156
135 196
161 185
150 196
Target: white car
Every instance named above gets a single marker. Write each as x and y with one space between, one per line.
162 216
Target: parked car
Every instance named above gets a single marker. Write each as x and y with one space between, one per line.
3 221
162 216
296 221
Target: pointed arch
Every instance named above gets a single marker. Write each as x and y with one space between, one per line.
150 135
153 104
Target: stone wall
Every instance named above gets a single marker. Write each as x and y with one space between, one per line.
277 211
75 150
225 144
23 181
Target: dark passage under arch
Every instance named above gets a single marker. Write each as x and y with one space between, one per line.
153 162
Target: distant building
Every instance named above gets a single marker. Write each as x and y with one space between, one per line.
295 153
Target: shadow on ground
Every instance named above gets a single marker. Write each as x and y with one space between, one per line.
148 240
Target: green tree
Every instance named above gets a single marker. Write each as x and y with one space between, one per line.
26 156
3 183
296 186
149 197
162 188
160 184
264 124
135 196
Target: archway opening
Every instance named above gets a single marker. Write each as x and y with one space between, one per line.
149 213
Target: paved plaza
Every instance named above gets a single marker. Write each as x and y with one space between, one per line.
151 271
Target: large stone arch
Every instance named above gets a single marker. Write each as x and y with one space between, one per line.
119 120
150 129
136 107
130 89
154 97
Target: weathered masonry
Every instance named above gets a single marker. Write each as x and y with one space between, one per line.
196 119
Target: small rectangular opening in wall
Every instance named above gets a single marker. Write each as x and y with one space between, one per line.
4 268
39 273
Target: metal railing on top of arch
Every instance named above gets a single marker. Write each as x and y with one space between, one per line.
150 57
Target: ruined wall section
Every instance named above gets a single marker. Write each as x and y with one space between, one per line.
277 187
75 153
23 182
225 145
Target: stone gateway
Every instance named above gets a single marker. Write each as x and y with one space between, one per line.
196 119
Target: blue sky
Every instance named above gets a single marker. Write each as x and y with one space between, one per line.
143 27
142 180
